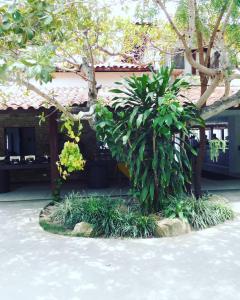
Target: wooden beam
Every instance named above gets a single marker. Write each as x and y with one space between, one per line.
53 142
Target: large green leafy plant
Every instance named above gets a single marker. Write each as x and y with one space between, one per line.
147 128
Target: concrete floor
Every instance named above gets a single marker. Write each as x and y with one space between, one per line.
35 265
42 191
213 185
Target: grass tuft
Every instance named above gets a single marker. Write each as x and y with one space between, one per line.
110 218
201 213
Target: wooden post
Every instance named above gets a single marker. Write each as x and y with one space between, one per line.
211 133
53 142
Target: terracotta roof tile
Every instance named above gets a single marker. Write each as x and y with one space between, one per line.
193 94
14 97
115 67
118 67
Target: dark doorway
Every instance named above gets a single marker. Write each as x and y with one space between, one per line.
20 140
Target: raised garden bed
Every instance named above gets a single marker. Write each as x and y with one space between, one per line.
107 217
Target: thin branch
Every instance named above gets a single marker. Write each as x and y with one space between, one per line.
123 55
50 100
229 10
199 34
214 33
160 3
83 115
75 70
165 52
188 51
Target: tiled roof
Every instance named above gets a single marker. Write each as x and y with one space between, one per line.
116 67
121 67
14 97
193 94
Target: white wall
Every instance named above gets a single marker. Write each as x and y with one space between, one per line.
106 79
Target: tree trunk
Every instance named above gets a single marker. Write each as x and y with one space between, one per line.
201 150
199 164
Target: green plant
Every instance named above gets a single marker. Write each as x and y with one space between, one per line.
177 209
215 147
70 158
105 214
146 128
201 213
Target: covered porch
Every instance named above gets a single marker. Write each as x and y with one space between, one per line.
29 151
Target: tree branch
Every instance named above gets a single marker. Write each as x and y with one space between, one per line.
203 99
123 55
181 37
227 87
82 115
50 100
90 72
229 10
188 51
199 34
75 70
191 18
219 106
214 33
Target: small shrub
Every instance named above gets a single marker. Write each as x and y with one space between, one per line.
105 214
200 213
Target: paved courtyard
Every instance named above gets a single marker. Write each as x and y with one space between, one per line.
35 265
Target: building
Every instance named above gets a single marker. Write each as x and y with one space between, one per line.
33 148
38 146
224 126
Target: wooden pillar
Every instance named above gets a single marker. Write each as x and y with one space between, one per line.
222 134
53 142
211 133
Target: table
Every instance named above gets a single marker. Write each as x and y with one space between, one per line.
5 174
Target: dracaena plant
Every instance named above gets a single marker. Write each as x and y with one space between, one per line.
146 127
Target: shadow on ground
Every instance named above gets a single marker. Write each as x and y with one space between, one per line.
38 265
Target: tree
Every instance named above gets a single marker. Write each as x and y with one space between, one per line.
38 35
147 129
205 29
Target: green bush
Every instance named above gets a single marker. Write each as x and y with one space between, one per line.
146 129
107 216
200 214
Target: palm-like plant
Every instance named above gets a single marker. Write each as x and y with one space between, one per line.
146 128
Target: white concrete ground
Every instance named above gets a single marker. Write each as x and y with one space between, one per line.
41 191
35 265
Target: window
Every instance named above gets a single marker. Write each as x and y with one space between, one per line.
178 61
216 60
20 140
